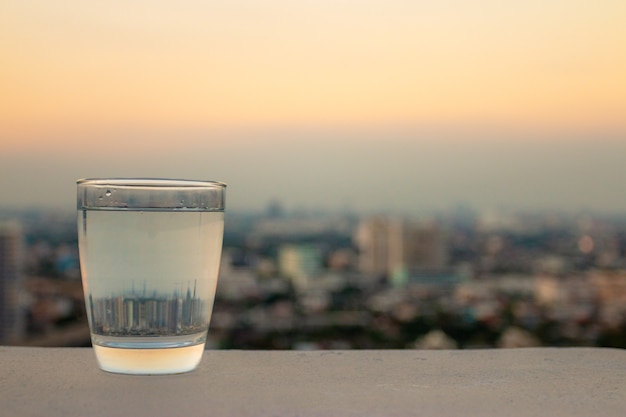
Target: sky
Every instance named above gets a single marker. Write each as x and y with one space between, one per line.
367 105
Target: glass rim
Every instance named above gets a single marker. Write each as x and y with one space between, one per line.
150 182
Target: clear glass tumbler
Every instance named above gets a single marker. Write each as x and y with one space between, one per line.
149 253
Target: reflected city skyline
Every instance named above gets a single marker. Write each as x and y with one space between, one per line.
158 314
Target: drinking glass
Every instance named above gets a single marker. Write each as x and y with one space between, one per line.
149 254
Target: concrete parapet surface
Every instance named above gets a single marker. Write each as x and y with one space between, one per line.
506 382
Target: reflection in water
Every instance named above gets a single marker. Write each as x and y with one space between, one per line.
140 315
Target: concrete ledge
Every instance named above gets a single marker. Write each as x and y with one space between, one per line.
517 382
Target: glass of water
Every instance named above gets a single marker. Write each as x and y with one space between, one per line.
149 253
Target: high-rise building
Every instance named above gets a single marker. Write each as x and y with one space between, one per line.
389 247
372 239
423 245
12 314
299 263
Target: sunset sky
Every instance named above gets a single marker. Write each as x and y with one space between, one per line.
428 100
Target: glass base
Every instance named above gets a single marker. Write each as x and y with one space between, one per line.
149 361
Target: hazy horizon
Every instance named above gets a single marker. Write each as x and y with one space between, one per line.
360 171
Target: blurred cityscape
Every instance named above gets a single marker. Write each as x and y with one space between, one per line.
329 280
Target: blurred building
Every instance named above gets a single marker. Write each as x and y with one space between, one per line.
397 247
12 313
299 263
563 290
372 239
610 286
